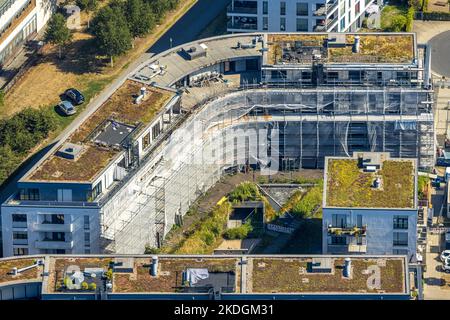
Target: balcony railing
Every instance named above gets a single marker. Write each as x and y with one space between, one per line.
320 28
331 22
53 244
53 227
242 25
242 10
347 231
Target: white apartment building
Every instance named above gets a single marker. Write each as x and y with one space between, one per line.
20 21
296 15
370 205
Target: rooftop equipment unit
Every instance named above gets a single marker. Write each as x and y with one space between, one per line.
347 267
70 151
356 45
154 267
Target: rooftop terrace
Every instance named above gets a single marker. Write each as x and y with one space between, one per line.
332 48
234 274
102 133
348 184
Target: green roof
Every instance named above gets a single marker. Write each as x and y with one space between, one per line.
350 186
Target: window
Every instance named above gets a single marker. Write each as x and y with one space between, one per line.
86 223
265 23
146 141
156 130
87 238
29 194
265 7
97 190
20 235
302 24
359 223
282 24
342 23
282 8
400 238
53 219
302 8
339 220
19 217
400 222
20 251
338 240
357 8
64 195
87 251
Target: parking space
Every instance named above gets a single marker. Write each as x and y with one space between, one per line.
437 282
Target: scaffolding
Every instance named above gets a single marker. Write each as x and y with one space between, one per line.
271 130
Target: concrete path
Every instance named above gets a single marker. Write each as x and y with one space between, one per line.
442 113
426 30
436 281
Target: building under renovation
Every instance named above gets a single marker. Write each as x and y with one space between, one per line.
272 102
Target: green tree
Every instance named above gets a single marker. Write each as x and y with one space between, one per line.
9 162
398 24
89 6
140 17
57 32
409 19
111 29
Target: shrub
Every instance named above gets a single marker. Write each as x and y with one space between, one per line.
109 274
239 232
2 98
398 24
245 191
409 19
92 286
151 250
67 282
311 200
84 285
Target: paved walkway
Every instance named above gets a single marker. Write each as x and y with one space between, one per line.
437 283
442 113
426 30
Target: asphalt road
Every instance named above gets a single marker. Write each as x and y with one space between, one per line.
440 53
186 29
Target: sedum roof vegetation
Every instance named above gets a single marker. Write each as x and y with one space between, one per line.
349 186
374 48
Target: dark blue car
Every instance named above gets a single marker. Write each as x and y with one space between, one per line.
74 95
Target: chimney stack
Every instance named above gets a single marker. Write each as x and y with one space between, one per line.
154 268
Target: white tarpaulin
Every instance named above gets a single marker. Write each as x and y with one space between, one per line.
373 8
195 275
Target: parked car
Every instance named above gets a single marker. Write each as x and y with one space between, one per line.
67 107
74 95
446 266
444 255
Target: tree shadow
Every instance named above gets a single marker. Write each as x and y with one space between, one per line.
79 57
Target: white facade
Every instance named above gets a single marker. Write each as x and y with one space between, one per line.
20 20
49 230
296 15
388 231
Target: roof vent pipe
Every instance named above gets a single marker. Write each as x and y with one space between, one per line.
14 271
347 267
356 45
154 268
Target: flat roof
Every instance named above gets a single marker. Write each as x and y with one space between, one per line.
269 274
32 274
176 66
103 132
303 48
348 184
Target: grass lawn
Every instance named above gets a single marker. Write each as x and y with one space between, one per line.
389 12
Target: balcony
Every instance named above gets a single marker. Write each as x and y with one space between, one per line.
331 6
53 244
242 25
53 227
320 11
242 10
320 28
331 22
347 231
